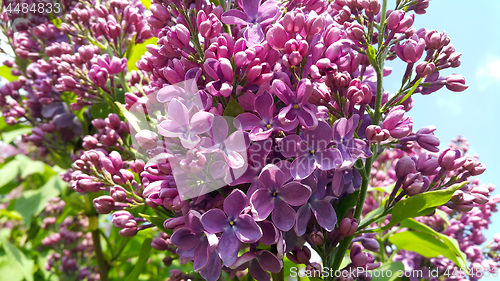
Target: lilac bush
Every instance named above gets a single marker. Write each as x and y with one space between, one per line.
222 140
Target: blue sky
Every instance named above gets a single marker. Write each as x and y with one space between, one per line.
472 27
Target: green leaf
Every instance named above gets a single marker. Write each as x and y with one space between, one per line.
141 262
146 3
9 172
443 215
157 221
392 267
21 263
9 270
131 118
372 57
32 202
5 73
410 92
30 167
10 214
233 108
424 244
99 110
138 51
450 242
10 136
421 204
386 189
372 214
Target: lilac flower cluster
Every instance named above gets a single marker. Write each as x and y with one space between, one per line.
72 246
251 126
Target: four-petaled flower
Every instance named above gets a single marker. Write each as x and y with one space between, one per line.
236 226
278 197
312 151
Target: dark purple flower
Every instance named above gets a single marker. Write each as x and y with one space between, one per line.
312 151
235 226
221 72
298 109
317 204
350 148
277 197
259 264
254 16
261 128
200 246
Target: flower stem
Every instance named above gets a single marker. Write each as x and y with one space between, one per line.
101 261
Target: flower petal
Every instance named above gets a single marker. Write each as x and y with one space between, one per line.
214 221
324 213
247 230
303 216
268 261
201 255
178 112
235 203
272 177
283 215
292 146
213 269
295 193
249 121
229 246
185 239
262 202
302 167
233 17
201 122
257 272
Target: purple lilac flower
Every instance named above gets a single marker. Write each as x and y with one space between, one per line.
277 197
318 204
261 129
236 226
311 150
350 148
255 16
196 244
298 109
259 264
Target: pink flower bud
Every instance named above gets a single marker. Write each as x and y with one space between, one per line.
425 69
277 36
209 26
375 133
104 204
314 24
293 22
404 166
456 83
411 50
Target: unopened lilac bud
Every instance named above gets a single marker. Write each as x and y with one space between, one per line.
427 140
159 244
299 255
451 159
104 204
179 36
107 164
118 193
398 22
375 133
99 123
435 40
348 227
137 166
277 36
89 142
317 238
404 166
427 165
98 75
370 244
89 185
147 139
413 184
474 167
116 159
425 69
456 83
411 50
370 6
68 82
172 223
314 24
113 121
358 258
160 12
293 22
209 25
314 269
